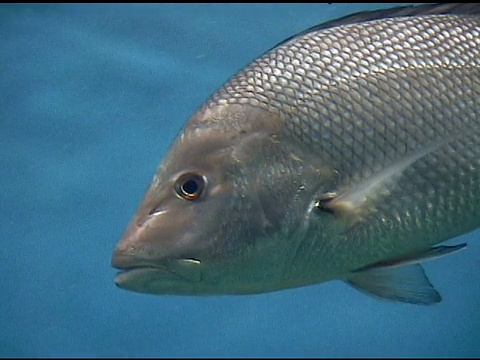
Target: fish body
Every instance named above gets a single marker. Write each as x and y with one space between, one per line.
348 151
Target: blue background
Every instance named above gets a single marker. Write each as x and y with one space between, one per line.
91 97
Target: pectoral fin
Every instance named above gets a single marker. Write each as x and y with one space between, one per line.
359 199
401 279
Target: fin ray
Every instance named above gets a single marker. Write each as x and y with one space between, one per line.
407 284
353 201
401 279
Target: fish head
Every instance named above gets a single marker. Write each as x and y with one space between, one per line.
206 211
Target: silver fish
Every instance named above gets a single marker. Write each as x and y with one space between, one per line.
348 151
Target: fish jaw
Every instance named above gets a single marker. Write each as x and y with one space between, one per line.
144 260
161 251
165 276
145 279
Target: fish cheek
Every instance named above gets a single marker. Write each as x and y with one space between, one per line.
201 234
277 180
254 173
228 219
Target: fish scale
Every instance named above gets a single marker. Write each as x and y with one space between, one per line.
441 44
349 151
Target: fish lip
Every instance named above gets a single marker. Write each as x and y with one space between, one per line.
126 271
163 264
123 278
123 270
123 275
167 266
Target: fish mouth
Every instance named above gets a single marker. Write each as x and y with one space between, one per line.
137 272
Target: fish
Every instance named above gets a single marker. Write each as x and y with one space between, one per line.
349 151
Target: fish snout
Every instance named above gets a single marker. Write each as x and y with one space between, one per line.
149 243
130 251
122 260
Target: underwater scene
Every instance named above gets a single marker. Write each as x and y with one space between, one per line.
92 97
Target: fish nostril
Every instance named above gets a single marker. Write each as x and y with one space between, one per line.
158 208
157 212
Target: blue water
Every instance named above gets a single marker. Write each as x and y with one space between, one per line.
91 97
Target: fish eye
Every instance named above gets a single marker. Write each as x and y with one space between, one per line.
190 186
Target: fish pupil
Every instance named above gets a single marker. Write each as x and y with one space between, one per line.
190 187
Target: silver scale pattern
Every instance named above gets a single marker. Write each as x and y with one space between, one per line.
363 95
361 87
